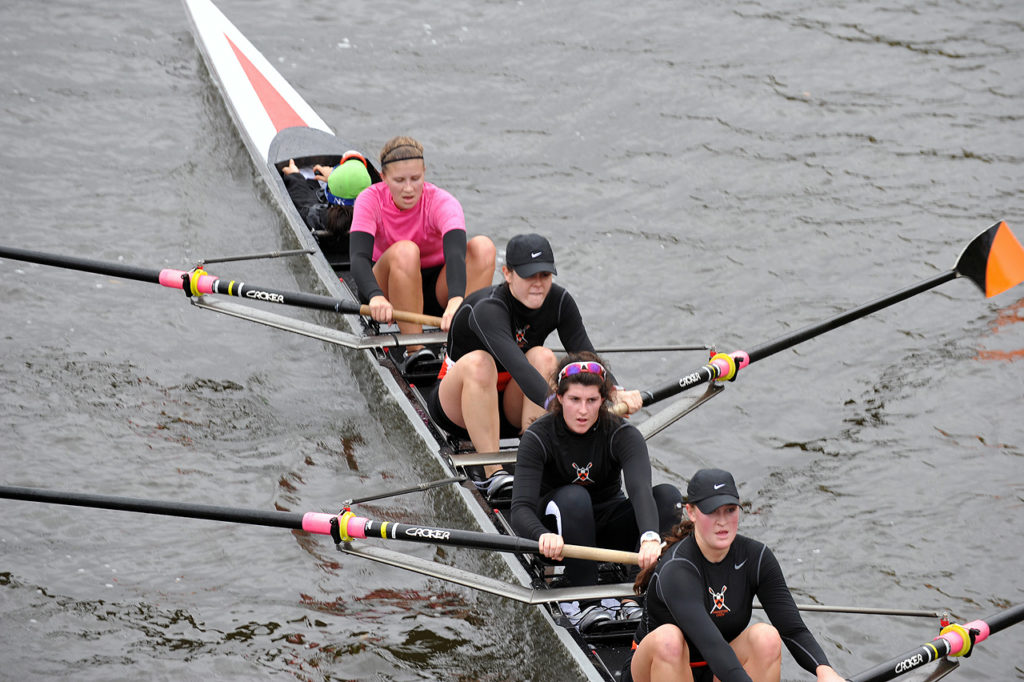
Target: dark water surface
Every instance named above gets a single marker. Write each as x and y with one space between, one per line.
718 172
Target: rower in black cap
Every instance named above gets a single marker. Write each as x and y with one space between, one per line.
699 598
497 373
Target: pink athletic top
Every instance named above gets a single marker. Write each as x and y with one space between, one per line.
435 214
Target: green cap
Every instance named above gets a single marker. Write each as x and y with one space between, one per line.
349 179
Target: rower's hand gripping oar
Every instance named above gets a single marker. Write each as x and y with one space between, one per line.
199 282
993 260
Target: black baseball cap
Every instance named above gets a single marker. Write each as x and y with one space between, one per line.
529 254
709 489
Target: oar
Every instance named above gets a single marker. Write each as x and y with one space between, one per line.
954 640
667 348
198 282
994 260
343 527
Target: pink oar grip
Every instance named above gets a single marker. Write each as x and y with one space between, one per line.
205 285
171 278
722 365
320 523
357 526
981 627
956 640
317 522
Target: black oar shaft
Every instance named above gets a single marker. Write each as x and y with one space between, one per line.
793 338
348 526
342 527
84 264
448 536
199 282
1005 619
944 645
255 517
173 278
708 373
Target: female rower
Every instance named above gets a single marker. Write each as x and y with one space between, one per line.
497 373
327 211
568 483
698 600
408 245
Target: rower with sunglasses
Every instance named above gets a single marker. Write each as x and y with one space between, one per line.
497 373
409 248
568 485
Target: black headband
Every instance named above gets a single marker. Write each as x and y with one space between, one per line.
416 154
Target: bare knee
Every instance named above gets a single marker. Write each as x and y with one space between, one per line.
480 249
670 646
544 360
765 642
404 256
478 368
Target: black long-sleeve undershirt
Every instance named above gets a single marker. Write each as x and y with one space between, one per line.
712 604
493 320
361 253
548 457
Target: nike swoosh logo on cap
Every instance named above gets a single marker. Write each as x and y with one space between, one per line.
719 485
534 255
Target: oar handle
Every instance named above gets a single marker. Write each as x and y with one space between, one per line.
402 316
613 556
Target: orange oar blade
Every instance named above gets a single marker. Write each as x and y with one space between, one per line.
994 260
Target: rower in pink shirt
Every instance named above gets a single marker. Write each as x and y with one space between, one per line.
409 247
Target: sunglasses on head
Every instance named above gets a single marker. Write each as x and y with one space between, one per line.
581 367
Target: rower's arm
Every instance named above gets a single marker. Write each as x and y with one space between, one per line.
490 321
526 492
454 245
777 600
360 248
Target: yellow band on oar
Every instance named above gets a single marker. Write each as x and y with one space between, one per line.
731 361
193 280
384 530
965 636
343 525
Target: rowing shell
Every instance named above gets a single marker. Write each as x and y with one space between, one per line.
277 125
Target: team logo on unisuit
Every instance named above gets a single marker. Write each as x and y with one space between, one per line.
719 608
521 336
583 473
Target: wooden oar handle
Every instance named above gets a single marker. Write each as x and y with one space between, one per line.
619 409
403 316
614 556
